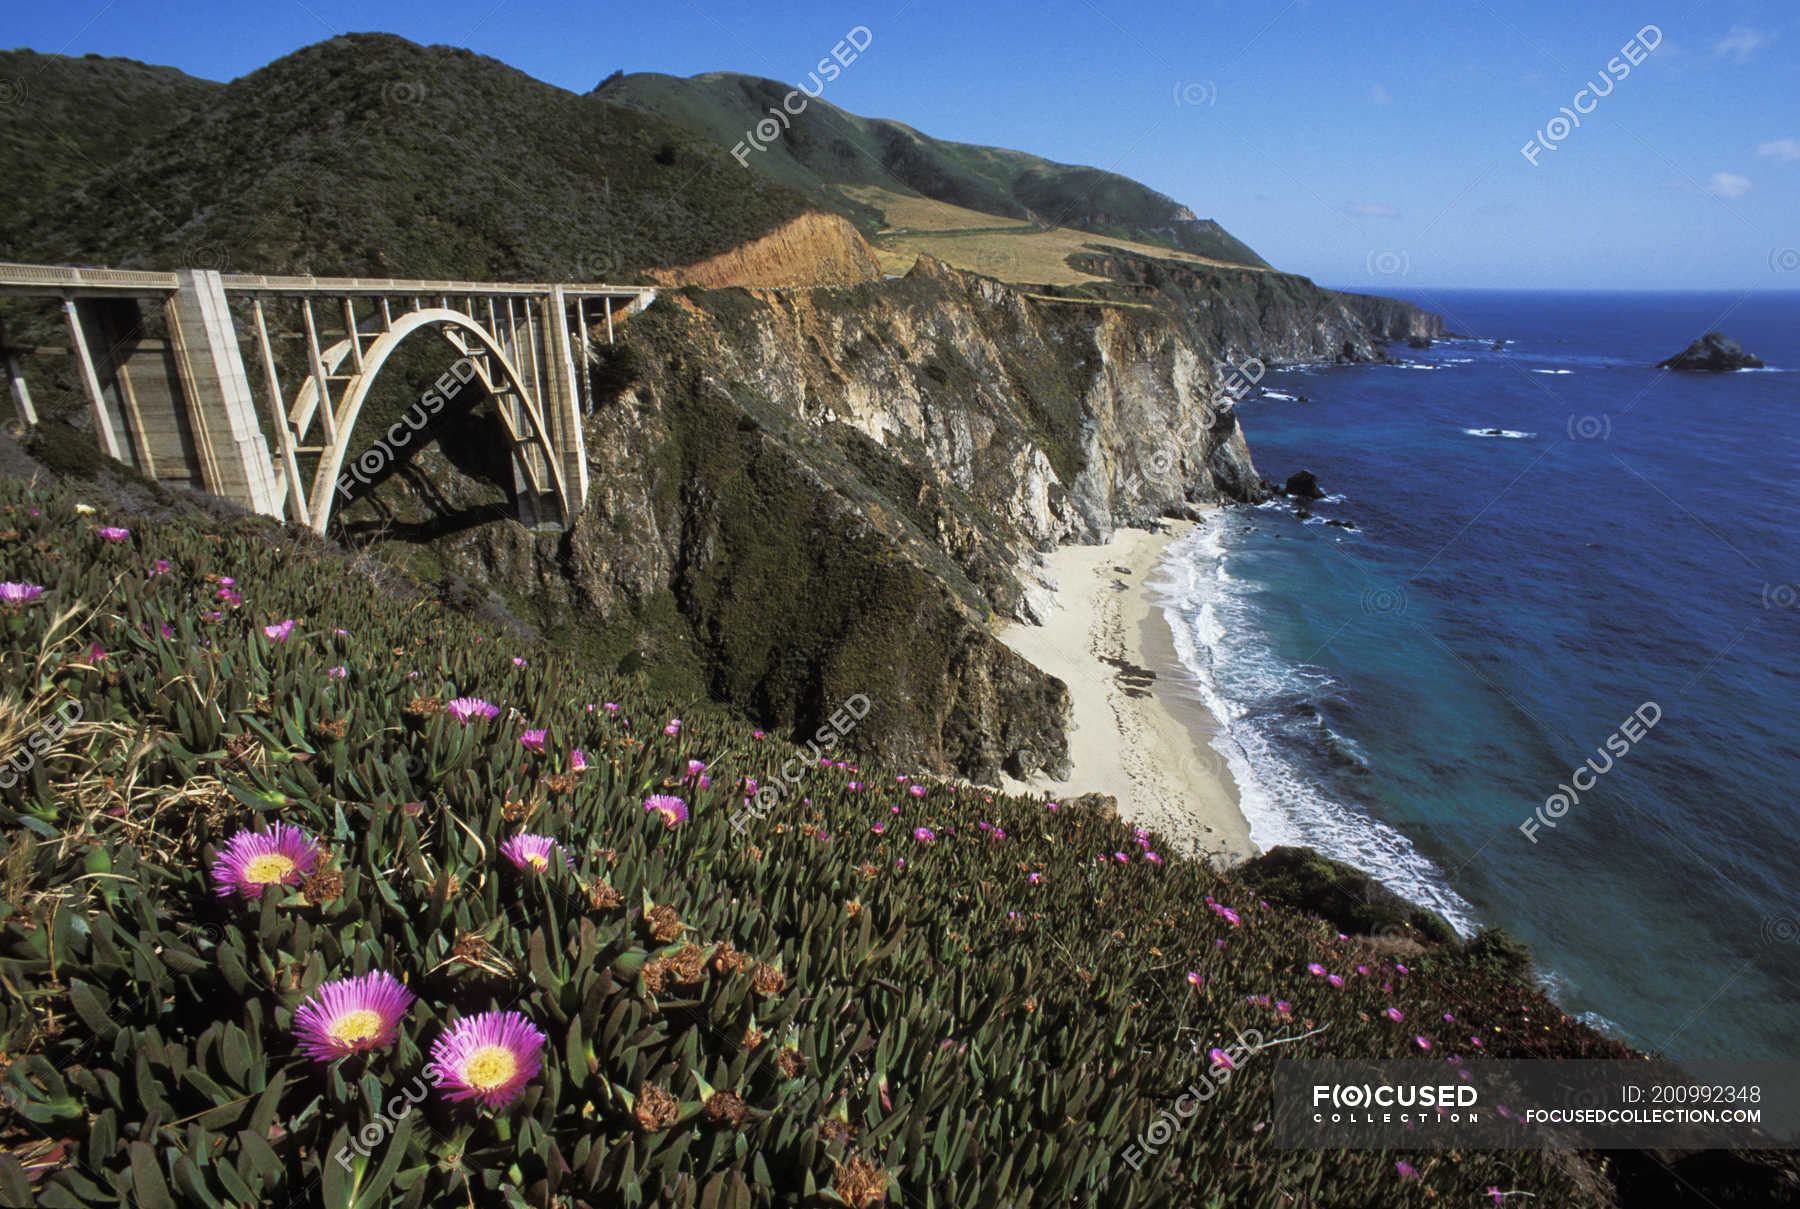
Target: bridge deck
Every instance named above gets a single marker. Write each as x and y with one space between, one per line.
59 281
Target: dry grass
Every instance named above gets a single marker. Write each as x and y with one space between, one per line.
1010 249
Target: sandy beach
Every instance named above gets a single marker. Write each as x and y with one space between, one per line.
1134 733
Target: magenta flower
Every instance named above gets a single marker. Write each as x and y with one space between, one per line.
878 828
518 662
350 1015
279 631
1149 856
467 709
1395 1014
917 791
1121 858
339 672
159 567
1336 980
230 597
1422 1042
695 768
1494 1194
923 834
1449 1019
18 594
757 734
1221 1058
113 533
532 853
1226 913
283 855
673 728
611 707
1284 1007
533 740
1407 1170
578 761
489 1057
1316 970
1195 978
1034 878
674 811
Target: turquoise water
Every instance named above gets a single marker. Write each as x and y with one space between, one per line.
1407 694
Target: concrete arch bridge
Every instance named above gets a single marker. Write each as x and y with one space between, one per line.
173 394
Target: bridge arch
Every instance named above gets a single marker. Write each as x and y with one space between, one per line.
494 369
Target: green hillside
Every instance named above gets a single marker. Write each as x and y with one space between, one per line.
68 119
827 149
368 154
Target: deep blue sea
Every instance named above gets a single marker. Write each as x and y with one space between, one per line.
1405 694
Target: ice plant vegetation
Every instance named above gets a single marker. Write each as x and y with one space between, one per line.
255 860
351 1015
489 1057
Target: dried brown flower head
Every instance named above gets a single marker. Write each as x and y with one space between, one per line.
859 1183
688 966
790 1062
602 896
425 707
767 980
723 1108
665 923
656 1108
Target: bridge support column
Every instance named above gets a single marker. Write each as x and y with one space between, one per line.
234 456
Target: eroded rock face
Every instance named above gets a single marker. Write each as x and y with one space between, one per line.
1712 353
838 491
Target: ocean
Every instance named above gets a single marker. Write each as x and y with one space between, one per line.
1563 559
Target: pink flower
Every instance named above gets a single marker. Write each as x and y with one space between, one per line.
695 768
673 810
159 567
1336 980
18 594
1221 1058
255 860
532 853
338 673
1149 856
917 791
279 631
1226 913
1395 1014
1316 970
879 828
611 707
1422 1043
578 761
1284 1007
1195 978
673 728
113 533
757 734
1494 1194
1407 1170
467 709
1121 857
351 1015
489 1057
518 662
1034 878
533 740
923 835
1449 1019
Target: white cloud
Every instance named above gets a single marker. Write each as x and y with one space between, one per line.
1740 43
1380 95
1780 149
1728 185
1372 210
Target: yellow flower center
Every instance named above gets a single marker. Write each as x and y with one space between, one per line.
352 1028
538 861
267 868
489 1067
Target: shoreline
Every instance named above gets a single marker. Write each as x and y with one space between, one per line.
1133 734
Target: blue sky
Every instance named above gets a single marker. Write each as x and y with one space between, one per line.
1362 145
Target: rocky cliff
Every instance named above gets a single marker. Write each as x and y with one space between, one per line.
1281 318
801 495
